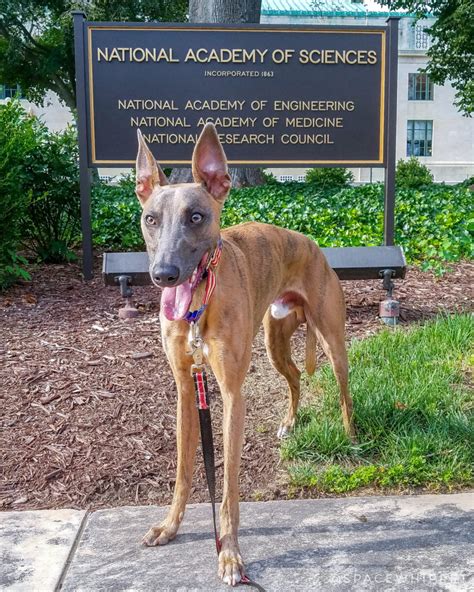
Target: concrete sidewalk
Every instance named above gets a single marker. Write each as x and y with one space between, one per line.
391 544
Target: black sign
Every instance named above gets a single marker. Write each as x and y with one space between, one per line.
278 96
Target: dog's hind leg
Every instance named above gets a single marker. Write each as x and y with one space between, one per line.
328 322
187 437
334 348
278 333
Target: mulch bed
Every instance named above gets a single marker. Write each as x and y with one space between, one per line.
88 401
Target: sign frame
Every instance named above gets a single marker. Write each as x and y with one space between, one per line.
247 28
84 93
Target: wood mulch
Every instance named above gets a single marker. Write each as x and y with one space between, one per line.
88 401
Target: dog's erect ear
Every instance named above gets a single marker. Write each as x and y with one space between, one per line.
149 173
210 163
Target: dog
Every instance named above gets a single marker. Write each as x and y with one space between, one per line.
265 274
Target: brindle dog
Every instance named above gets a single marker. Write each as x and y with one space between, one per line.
265 274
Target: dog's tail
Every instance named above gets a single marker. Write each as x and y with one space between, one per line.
311 341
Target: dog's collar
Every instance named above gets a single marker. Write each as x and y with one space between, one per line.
209 274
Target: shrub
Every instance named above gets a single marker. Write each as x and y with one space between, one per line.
39 192
432 225
469 182
17 140
52 220
412 174
325 178
269 178
116 216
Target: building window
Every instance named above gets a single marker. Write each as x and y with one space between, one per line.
301 178
422 39
420 87
284 178
8 91
419 137
106 178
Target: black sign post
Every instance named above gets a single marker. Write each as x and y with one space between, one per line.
84 172
280 96
391 126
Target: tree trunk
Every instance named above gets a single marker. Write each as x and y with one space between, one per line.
226 12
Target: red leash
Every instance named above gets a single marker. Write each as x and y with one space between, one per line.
199 374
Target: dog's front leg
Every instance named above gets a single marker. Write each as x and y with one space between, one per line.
231 566
230 367
187 435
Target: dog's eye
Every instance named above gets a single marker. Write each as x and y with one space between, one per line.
150 220
196 218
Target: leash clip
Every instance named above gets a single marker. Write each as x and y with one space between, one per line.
196 346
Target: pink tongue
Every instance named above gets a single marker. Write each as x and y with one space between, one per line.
175 302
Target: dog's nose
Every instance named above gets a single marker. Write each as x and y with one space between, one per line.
166 275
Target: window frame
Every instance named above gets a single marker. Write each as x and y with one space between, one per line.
9 91
420 87
417 146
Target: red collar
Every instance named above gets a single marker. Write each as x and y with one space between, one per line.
209 274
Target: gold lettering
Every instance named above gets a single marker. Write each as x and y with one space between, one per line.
228 121
328 56
294 105
314 122
114 55
104 53
225 55
214 105
171 138
349 53
335 56
147 104
372 57
161 121
247 138
306 139
190 56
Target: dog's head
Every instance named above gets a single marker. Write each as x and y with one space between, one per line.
180 223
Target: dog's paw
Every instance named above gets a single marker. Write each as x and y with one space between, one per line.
284 430
159 535
231 567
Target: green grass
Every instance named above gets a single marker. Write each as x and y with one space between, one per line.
413 411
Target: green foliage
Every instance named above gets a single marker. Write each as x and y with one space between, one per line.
269 178
412 174
17 140
39 192
37 45
51 224
412 408
434 225
452 49
469 182
116 216
330 177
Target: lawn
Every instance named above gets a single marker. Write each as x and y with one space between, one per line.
413 411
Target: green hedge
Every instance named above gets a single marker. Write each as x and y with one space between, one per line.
116 216
17 140
39 193
433 224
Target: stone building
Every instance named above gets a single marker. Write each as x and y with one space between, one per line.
428 124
